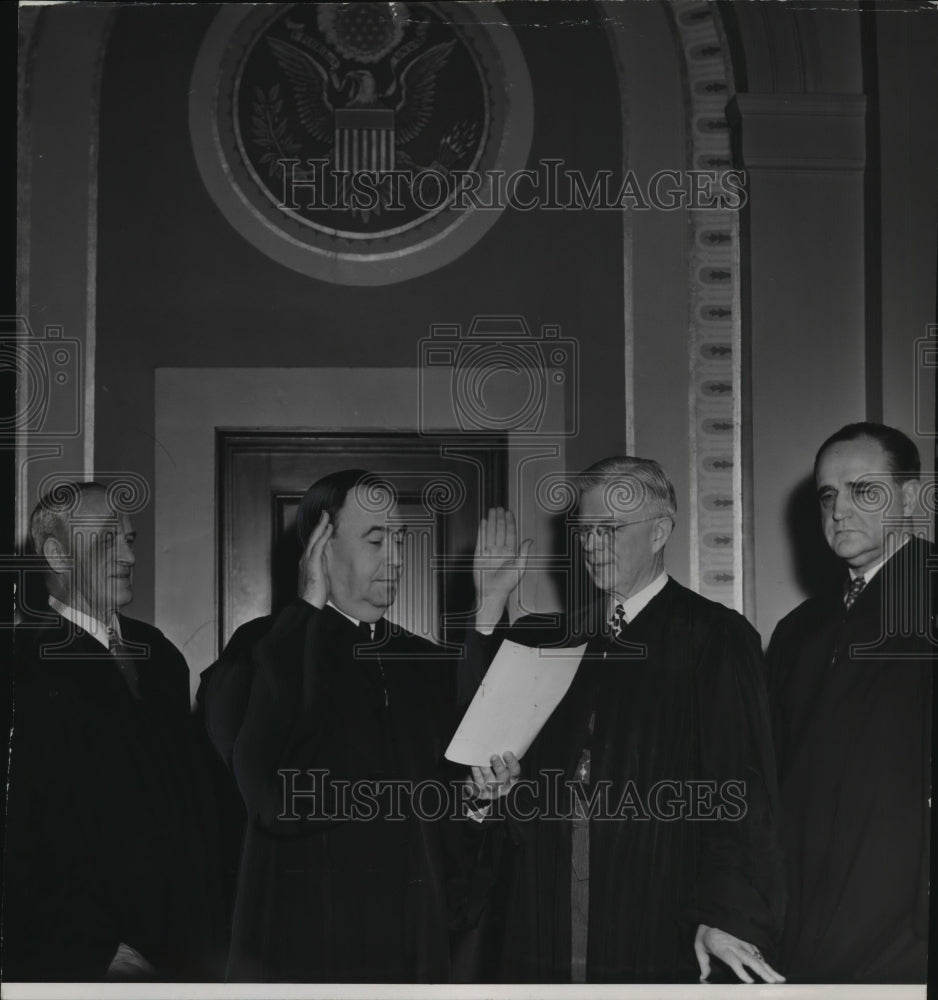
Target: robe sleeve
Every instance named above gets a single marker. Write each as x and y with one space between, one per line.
57 923
740 888
225 687
280 683
481 648
477 896
778 656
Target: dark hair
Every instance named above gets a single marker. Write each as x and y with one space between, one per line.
901 452
329 493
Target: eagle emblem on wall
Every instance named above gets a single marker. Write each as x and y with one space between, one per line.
359 123
348 127
355 89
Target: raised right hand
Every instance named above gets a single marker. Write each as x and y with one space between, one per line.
498 565
313 579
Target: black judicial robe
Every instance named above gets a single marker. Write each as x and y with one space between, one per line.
111 827
853 733
679 698
334 899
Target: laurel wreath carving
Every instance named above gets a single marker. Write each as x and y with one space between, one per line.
269 129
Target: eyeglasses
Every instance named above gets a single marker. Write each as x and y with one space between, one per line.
605 531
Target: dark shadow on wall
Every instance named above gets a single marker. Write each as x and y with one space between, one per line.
817 570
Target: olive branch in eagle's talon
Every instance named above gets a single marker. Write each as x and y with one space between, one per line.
269 129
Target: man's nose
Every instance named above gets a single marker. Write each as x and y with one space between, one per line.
126 553
843 506
590 539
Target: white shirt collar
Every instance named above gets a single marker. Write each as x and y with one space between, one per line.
637 602
355 621
97 630
871 571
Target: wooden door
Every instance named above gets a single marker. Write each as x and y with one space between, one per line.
442 485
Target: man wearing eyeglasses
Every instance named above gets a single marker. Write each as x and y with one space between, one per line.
644 825
850 680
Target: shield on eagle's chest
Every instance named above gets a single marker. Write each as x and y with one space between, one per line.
364 139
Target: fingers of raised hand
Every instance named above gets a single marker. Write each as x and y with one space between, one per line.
511 532
500 527
320 534
498 533
490 530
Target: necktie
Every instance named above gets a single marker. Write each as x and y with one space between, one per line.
121 653
853 592
619 621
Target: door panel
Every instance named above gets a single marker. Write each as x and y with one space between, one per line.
442 486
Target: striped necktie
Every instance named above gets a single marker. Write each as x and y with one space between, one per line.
618 621
122 654
853 592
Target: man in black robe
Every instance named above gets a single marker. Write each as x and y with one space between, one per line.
851 698
340 883
644 827
111 841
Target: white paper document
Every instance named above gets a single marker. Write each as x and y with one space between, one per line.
523 686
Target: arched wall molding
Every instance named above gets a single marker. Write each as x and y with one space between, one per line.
789 49
800 134
713 333
787 283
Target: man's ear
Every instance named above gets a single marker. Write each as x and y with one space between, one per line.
661 532
910 490
55 555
